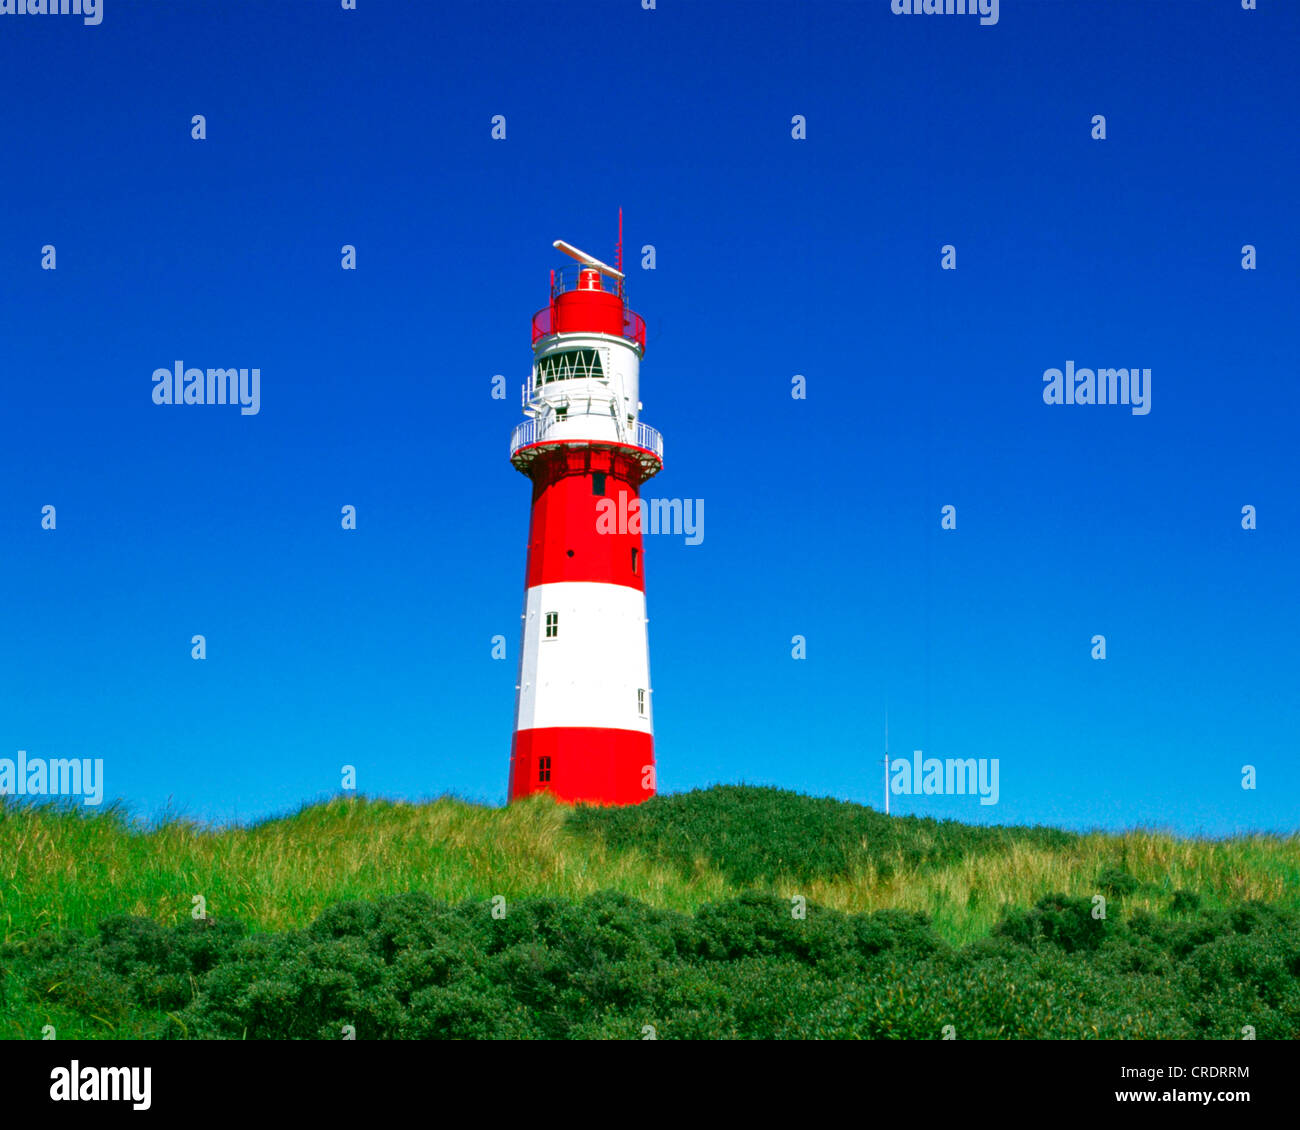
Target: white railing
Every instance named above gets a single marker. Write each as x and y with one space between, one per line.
650 439
523 435
535 431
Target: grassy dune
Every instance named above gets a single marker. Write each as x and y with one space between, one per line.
69 870
62 870
376 918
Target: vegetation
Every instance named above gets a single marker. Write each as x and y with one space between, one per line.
726 913
613 967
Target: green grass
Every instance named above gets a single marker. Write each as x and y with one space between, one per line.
62 869
66 876
69 869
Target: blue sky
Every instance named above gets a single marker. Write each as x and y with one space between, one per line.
774 257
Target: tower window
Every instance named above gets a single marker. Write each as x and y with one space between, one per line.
635 551
552 625
640 702
570 365
598 482
543 769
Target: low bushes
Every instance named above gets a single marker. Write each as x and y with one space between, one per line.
612 967
753 834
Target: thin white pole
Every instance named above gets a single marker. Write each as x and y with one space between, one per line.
886 761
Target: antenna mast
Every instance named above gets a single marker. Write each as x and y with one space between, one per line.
618 252
886 761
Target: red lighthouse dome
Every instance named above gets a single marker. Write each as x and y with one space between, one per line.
589 307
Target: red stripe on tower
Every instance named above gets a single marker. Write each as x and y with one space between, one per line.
583 719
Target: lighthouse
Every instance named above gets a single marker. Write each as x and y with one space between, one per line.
583 715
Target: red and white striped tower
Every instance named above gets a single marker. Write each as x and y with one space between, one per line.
583 727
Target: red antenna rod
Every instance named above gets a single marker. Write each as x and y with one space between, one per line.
618 251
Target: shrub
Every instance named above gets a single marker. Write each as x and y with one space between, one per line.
757 834
1116 882
744 968
1056 920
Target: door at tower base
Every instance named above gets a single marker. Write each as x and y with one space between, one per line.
580 764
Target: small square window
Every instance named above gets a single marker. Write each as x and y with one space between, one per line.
552 625
543 769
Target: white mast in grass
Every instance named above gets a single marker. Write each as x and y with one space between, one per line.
886 761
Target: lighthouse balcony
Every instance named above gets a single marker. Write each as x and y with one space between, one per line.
549 320
530 437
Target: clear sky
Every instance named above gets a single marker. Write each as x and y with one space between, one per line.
773 257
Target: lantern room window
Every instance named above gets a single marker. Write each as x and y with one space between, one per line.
570 365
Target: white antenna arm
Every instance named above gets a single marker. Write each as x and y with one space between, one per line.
587 260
